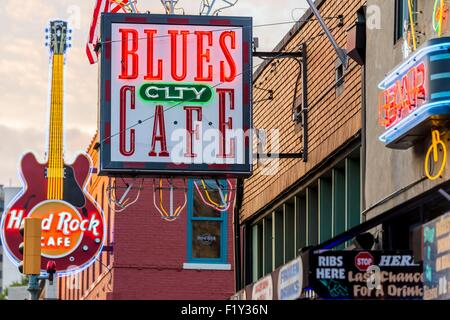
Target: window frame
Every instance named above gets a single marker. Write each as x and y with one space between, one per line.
398 10
401 7
223 259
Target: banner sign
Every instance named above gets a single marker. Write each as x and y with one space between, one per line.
290 280
365 275
284 283
263 289
414 94
176 95
436 259
240 295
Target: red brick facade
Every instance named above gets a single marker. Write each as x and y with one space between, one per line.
149 256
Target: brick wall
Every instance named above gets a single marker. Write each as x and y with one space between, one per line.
87 284
150 252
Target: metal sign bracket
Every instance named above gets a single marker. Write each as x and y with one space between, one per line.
301 58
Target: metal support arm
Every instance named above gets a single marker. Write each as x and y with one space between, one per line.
340 52
301 58
277 55
279 155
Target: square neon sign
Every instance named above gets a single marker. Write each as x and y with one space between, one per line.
176 95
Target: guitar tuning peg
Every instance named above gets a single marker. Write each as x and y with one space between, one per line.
70 45
46 44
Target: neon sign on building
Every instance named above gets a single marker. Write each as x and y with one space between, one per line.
176 95
415 96
73 225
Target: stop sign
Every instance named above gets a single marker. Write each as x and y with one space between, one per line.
363 260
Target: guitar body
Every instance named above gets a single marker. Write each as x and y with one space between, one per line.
34 176
35 192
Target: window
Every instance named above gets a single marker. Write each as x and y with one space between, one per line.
339 74
82 281
86 277
340 77
207 227
402 17
297 108
92 267
319 211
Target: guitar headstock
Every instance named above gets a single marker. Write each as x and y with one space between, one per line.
58 37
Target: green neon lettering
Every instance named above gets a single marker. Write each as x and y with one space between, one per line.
170 92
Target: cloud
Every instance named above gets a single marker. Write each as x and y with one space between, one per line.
24 68
28 9
17 142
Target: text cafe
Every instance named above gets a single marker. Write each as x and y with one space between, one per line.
176 93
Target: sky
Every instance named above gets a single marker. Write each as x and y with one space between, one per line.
24 69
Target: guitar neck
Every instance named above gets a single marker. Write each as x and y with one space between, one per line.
55 171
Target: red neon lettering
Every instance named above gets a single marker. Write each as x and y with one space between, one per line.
419 84
159 123
228 56
387 108
190 131
382 108
392 113
406 104
203 55
224 125
129 52
150 75
123 120
399 100
173 36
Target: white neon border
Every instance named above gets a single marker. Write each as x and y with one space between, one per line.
86 194
212 206
386 137
412 60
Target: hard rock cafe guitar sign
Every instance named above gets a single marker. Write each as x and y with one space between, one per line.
72 224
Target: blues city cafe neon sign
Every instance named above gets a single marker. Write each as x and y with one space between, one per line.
415 96
176 95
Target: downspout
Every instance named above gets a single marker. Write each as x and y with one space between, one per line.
362 18
237 234
363 139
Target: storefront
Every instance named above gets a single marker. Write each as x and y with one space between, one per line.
342 275
405 181
408 103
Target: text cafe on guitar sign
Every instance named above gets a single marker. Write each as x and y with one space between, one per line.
176 95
